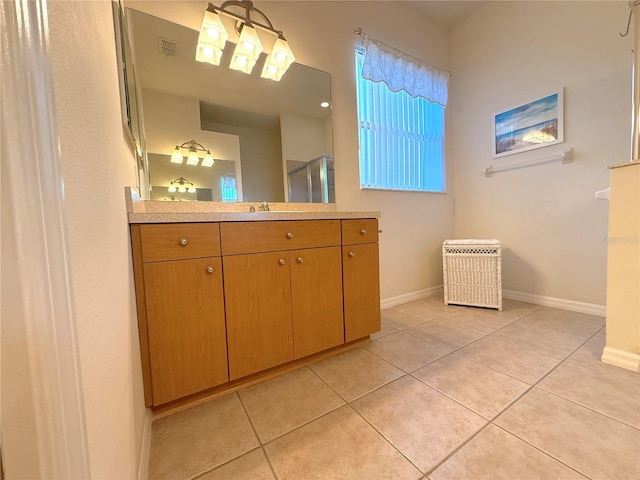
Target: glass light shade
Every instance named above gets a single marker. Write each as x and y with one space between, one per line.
278 61
176 157
172 189
182 189
208 54
247 50
212 31
192 189
208 160
193 159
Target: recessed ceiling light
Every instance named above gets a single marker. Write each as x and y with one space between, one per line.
324 104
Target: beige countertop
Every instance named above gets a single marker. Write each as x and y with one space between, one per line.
145 211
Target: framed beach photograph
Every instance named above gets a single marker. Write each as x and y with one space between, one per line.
532 125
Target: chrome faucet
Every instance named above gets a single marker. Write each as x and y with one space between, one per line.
264 207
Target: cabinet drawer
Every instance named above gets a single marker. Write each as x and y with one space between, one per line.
255 237
359 230
173 241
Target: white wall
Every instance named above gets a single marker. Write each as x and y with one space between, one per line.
170 120
551 227
303 138
97 164
261 160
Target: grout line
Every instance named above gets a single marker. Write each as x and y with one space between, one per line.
385 438
264 452
547 454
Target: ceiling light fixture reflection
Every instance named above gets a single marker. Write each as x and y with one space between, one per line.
193 158
213 36
182 185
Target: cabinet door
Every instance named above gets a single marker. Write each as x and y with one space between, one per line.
186 327
316 292
258 303
361 280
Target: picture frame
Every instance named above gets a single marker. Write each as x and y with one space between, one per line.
535 124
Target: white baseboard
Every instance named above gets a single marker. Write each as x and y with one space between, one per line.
143 468
582 307
410 297
620 358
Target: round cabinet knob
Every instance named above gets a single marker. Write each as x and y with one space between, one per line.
300 260
183 241
352 254
363 232
289 235
209 269
281 261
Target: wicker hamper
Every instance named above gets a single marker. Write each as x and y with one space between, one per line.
472 272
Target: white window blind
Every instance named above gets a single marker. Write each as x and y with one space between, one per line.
228 189
401 138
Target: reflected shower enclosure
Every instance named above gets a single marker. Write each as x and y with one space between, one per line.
312 182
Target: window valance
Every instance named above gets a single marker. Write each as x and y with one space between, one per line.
400 71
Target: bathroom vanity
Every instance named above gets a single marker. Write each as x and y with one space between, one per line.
226 298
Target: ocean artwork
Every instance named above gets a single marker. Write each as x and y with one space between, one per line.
535 124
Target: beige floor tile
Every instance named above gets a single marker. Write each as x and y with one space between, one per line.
281 404
479 320
356 372
523 364
253 465
558 345
195 440
401 317
479 388
384 331
405 351
611 396
589 442
442 333
340 445
590 353
563 322
497 455
568 315
422 423
432 307
522 307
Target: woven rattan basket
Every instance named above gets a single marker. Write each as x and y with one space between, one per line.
472 272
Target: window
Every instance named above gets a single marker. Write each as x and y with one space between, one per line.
228 188
401 138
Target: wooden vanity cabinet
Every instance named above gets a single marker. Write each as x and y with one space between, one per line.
361 278
220 301
181 316
282 304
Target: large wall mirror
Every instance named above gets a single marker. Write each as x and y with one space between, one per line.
270 140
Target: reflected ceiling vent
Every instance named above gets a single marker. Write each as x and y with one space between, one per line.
168 48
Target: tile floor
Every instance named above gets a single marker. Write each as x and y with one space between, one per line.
442 392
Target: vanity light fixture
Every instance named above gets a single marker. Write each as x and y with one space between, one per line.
193 148
213 37
181 185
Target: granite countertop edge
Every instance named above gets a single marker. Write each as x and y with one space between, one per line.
196 217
